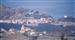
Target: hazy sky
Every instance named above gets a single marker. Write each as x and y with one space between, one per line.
55 8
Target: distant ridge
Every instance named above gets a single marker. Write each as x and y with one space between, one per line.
5 12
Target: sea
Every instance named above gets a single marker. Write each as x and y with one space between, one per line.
40 27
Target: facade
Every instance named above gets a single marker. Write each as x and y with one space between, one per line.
55 36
